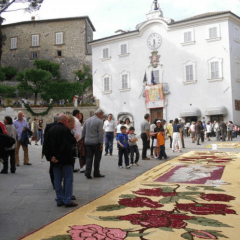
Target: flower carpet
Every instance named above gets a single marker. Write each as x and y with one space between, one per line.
225 145
194 196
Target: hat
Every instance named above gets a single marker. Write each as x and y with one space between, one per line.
158 121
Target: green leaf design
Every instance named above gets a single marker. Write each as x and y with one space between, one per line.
167 190
167 200
192 188
216 233
129 196
166 229
109 208
188 193
59 237
131 234
109 218
207 222
212 188
187 235
187 198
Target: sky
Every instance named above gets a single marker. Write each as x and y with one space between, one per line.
108 16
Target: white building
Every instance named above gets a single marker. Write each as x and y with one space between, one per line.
199 68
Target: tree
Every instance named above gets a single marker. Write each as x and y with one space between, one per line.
34 80
61 90
7 91
49 66
33 5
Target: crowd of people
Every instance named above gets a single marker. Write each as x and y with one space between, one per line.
69 138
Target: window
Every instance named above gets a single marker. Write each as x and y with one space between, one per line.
124 81
215 66
236 34
123 49
187 37
59 38
106 84
214 70
34 55
105 53
13 43
213 32
35 40
189 73
59 53
156 76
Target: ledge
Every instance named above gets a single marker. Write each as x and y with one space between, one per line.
59 44
215 80
12 49
35 46
124 55
108 92
188 43
125 90
106 59
190 82
213 39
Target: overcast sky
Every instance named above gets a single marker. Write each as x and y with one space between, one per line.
108 16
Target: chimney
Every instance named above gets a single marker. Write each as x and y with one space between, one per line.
33 18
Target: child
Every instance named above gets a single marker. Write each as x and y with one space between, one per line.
132 140
122 140
161 144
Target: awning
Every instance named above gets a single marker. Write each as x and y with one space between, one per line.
190 112
220 110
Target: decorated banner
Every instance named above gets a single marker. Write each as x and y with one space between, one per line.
154 96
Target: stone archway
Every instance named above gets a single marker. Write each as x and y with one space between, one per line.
124 115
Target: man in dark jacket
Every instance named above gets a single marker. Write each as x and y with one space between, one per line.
58 150
199 129
223 130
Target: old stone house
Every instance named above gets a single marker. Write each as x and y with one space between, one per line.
62 40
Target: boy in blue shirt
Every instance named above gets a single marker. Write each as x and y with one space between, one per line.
122 140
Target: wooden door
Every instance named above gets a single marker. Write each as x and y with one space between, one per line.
156 113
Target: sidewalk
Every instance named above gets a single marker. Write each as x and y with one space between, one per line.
27 197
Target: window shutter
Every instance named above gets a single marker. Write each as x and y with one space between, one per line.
216 70
123 49
124 81
35 40
106 84
105 53
185 37
213 32
59 38
191 72
13 43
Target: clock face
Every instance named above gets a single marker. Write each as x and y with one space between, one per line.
154 41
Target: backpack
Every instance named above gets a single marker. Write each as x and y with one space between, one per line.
6 141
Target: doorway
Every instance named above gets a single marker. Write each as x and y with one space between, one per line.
156 113
217 118
191 119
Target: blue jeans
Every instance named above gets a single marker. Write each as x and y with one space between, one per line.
134 149
162 152
40 136
109 142
63 195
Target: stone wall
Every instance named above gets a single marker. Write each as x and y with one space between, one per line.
74 48
86 111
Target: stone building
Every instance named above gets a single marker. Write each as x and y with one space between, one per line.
194 62
63 40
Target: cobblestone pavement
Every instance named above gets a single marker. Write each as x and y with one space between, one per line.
27 197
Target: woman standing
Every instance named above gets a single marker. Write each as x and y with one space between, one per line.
10 152
157 130
40 131
193 131
209 131
127 124
34 128
176 136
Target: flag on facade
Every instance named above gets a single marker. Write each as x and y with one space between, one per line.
152 79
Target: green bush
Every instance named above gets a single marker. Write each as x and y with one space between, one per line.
49 66
2 75
7 91
10 72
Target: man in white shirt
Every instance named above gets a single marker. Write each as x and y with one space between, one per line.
77 134
109 128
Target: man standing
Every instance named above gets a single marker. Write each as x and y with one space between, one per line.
93 136
182 135
78 134
223 130
20 124
199 129
55 118
145 135
58 150
109 128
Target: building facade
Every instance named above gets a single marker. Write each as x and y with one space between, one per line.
62 40
196 62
